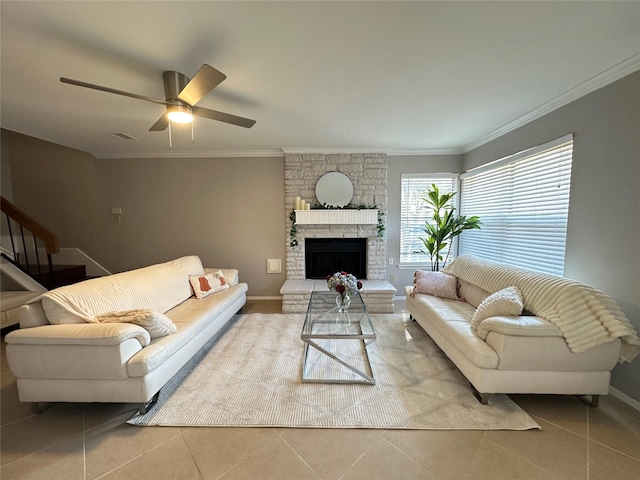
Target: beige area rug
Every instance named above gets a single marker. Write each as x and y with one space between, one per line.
250 377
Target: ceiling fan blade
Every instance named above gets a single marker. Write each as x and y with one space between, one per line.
113 90
161 124
205 80
223 117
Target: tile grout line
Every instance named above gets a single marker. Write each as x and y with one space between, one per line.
523 458
33 454
19 419
363 454
407 455
138 456
588 443
354 463
630 457
299 456
585 436
84 442
186 445
475 452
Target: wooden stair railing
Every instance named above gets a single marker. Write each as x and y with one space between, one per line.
38 232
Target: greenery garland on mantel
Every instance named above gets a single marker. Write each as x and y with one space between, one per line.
293 233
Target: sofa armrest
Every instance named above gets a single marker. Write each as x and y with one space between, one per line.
521 326
79 334
89 351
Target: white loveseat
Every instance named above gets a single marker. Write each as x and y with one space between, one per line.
62 353
566 341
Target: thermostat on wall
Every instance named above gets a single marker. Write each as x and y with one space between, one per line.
274 265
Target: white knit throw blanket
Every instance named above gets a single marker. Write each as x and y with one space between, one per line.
585 316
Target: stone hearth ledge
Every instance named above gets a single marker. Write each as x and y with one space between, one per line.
377 295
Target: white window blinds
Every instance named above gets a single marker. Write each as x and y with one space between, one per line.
523 203
413 213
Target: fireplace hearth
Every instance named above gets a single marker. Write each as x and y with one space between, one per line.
325 256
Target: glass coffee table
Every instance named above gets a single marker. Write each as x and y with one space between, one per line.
340 340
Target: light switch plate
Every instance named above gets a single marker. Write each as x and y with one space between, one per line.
274 265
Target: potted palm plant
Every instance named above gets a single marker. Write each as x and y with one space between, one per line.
443 226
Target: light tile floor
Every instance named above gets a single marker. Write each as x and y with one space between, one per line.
92 441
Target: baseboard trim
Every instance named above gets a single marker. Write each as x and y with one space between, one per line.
614 392
266 297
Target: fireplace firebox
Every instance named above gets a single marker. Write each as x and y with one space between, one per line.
325 256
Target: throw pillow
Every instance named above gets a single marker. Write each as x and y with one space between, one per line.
205 285
438 284
507 302
156 323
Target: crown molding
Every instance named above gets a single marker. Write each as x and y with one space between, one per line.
214 154
399 152
332 150
405 152
600 80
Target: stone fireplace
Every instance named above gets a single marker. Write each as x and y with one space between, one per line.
368 174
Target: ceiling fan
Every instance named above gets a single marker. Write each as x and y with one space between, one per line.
181 96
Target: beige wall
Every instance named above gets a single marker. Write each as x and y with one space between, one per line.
604 211
228 211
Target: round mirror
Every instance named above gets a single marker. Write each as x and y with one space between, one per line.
334 189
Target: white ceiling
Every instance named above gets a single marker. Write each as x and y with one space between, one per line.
401 77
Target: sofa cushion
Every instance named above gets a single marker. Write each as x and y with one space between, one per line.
448 322
230 274
521 326
437 284
471 293
190 317
507 301
156 323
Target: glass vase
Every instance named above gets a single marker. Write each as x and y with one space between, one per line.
343 302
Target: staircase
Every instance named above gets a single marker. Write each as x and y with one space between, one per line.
60 275
27 265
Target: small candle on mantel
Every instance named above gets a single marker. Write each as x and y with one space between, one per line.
297 203
302 204
307 206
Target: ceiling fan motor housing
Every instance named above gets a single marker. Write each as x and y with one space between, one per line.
174 83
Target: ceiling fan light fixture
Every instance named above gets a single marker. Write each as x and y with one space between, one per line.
180 114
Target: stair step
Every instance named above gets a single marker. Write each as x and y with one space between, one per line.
62 274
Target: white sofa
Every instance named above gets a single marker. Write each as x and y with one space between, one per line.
567 340
62 354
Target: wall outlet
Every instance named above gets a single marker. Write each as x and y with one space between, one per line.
392 278
390 260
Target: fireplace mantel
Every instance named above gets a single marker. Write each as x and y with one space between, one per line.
337 217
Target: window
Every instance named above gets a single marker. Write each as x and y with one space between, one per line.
523 203
413 213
